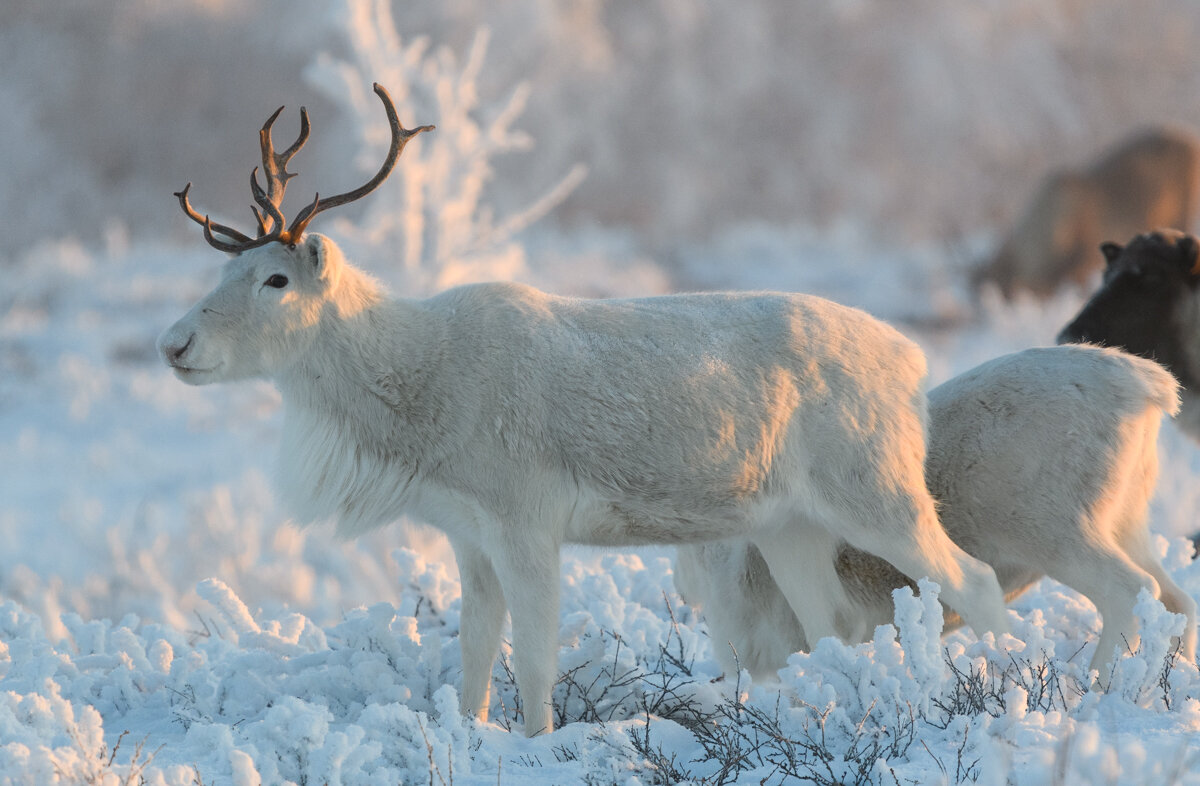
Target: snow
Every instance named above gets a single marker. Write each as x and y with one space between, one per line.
161 622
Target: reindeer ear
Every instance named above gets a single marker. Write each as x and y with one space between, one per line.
325 257
1111 251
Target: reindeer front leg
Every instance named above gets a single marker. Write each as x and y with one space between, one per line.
479 633
528 566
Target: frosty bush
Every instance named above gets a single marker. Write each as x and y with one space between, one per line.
1154 674
432 214
859 715
275 698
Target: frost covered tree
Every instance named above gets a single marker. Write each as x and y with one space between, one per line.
434 210
907 120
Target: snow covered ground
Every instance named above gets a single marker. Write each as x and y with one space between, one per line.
161 621
152 589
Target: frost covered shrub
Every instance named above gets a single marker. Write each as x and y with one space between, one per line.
622 652
432 215
1154 674
861 714
252 697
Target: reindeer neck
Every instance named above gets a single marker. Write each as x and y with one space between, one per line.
357 428
368 371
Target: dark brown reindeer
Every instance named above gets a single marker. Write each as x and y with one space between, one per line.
1149 180
1148 303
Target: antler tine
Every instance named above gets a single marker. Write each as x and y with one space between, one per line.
275 164
233 248
204 221
300 140
240 246
258 219
221 245
241 242
270 208
400 137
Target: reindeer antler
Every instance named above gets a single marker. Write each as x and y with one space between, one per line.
275 169
271 221
400 137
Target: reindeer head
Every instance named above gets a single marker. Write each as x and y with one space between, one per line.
1147 302
279 285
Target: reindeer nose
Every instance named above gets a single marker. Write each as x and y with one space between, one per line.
174 354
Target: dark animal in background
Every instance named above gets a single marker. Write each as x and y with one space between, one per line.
1149 180
1149 304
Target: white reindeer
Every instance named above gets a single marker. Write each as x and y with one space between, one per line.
1043 463
516 421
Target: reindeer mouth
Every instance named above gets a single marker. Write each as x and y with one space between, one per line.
192 375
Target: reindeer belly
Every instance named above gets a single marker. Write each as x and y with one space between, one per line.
599 521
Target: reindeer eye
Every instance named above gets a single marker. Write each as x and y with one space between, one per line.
278 281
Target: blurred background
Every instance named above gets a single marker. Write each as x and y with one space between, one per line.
925 123
866 150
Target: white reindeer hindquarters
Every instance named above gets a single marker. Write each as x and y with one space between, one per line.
517 421
1072 466
1043 463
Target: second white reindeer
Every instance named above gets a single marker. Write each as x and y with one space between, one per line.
516 421
1043 463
